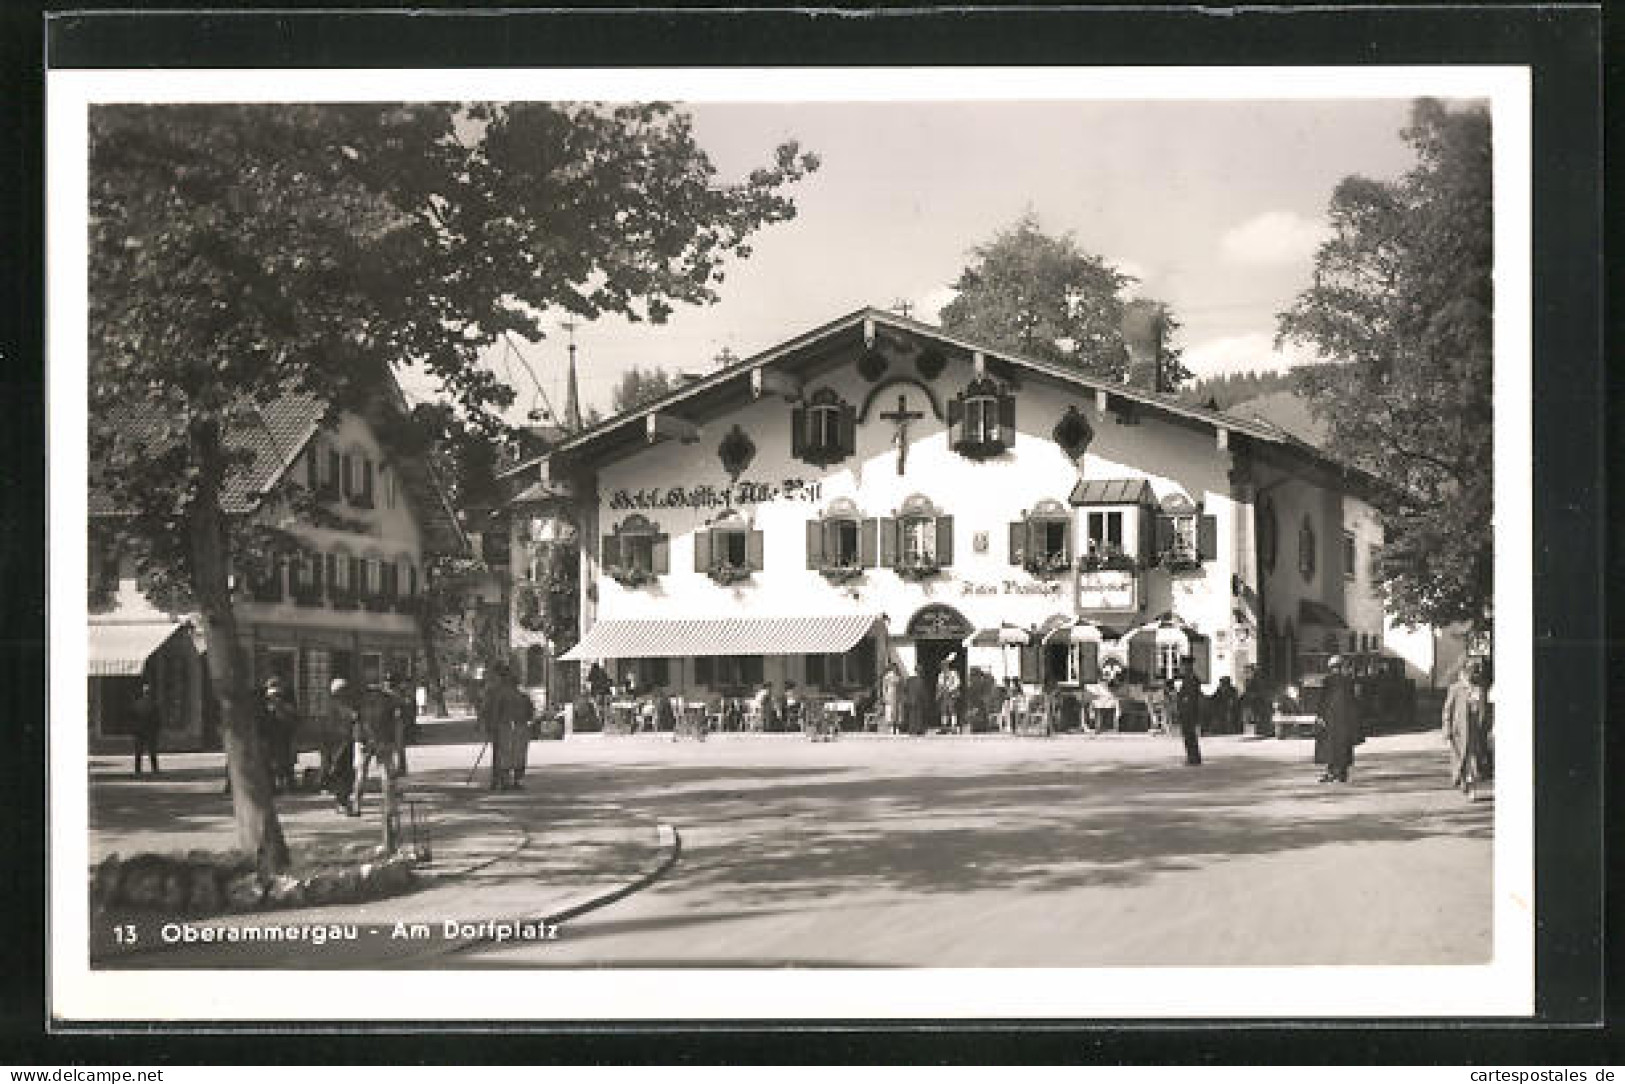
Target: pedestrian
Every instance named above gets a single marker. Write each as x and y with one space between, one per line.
1255 702
339 744
1465 712
279 726
505 714
790 706
1340 716
1187 709
144 726
948 689
891 698
665 713
598 688
420 697
377 738
407 708
765 720
1223 707
916 703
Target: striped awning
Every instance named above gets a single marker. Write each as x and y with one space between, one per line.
123 650
653 638
1113 491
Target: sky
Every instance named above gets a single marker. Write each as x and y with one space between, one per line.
1216 206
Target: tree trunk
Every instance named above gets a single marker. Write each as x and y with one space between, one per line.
428 626
248 766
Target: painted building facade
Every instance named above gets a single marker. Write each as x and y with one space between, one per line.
966 499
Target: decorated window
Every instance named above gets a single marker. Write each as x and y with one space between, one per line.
730 551
1041 541
919 541
841 543
1306 549
634 552
824 429
982 419
1184 537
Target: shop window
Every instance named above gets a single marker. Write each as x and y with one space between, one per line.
729 552
1306 549
731 674
982 419
1349 555
635 552
1042 540
824 429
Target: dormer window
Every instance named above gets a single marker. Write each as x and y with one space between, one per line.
635 552
823 429
919 541
1041 541
982 419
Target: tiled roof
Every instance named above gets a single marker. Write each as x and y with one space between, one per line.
1113 491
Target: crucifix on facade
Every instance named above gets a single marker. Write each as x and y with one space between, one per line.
901 416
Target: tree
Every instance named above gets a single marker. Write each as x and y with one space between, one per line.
243 253
638 386
1043 296
1403 301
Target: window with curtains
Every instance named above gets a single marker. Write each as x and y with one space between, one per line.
1041 541
982 419
635 551
823 429
919 540
729 551
841 543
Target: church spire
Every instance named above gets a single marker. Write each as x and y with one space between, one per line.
572 392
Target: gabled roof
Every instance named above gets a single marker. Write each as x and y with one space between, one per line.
694 397
276 433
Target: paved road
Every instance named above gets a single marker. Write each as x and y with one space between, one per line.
1028 852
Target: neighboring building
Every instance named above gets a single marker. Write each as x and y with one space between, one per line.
347 606
877 489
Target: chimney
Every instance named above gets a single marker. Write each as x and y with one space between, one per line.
1143 326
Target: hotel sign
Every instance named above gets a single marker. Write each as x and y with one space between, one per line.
1113 589
721 495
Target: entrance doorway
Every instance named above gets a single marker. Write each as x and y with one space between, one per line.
938 631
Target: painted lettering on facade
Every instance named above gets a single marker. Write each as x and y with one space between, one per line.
1107 590
723 495
1009 587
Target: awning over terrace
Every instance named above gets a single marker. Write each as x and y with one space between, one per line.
653 638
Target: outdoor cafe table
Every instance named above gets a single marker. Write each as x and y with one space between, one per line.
847 708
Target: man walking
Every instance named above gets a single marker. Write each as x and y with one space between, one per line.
891 699
144 727
1187 705
339 744
1342 722
505 714
948 688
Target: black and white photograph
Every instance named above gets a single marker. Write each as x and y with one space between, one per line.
877 543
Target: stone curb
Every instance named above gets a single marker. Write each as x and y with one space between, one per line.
669 842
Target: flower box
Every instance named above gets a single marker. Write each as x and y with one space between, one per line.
1111 562
1181 561
840 573
980 449
1048 566
631 577
917 569
726 574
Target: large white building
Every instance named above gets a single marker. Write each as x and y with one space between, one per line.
877 489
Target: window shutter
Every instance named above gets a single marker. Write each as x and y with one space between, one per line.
815 543
815 669
753 551
332 571
412 581
886 527
334 471
313 468
389 579
1018 541
702 551
945 540
1088 663
1199 653
366 481
702 670
1142 656
798 431
610 551
1066 541
344 475
867 543
1007 419
1163 540
1207 537
662 554
316 563
849 430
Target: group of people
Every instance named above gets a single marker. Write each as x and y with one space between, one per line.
1469 727
367 726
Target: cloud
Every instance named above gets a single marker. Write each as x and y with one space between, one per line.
1241 353
928 308
1274 237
